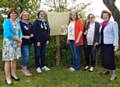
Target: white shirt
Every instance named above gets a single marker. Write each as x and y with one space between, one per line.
90 34
71 31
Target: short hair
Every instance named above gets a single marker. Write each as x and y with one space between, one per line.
22 13
105 11
88 17
10 11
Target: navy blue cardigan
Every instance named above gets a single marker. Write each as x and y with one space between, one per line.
41 31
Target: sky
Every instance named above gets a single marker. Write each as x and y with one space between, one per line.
95 7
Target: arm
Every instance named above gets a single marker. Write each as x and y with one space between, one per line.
7 30
81 29
35 32
48 31
116 36
96 37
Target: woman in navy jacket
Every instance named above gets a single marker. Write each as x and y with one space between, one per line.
41 31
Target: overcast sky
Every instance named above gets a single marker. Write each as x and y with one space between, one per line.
95 7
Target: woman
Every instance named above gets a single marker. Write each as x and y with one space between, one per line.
91 40
26 41
12 36
75 39
41 38
109 44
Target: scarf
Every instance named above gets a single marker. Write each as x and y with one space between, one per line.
104 23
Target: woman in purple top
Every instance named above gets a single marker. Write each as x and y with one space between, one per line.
41 31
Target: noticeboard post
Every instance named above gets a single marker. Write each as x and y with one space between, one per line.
58 22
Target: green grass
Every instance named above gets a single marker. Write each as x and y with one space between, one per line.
62 77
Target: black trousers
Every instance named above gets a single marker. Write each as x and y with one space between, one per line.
90 55
107 56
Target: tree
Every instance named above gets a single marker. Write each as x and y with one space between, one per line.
62 6
30 5
115 11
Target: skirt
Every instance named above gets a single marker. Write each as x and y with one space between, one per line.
10 52
107 56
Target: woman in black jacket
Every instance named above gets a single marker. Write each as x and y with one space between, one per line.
91 39
41 38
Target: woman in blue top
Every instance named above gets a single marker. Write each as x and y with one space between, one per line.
109 44
41 38
12 36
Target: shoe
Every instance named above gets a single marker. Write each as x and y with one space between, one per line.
8 82
26 72
113 77
45 68
15 78
86 68
71 69
38 70
104 73
91 69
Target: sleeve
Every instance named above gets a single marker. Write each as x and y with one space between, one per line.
7 30
35 31
97 32
48 30
20 31
116 36
81 26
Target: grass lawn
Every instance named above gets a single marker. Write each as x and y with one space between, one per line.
62 77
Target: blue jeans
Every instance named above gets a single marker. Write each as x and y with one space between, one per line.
40 54
76 55
25 51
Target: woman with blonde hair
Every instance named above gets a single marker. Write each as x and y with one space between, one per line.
26 41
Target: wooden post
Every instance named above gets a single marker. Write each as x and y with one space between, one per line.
58 50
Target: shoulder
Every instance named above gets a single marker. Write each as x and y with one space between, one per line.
97 22
6 21
36 21
112 22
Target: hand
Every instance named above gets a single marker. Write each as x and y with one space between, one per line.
95 45
68 42
31 35
116 48
85 33
16 39
47 42
27 37
38 44
77 41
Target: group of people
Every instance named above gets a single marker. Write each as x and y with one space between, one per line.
19 35
91 34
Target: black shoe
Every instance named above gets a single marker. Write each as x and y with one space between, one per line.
104 73
8 83
16 79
